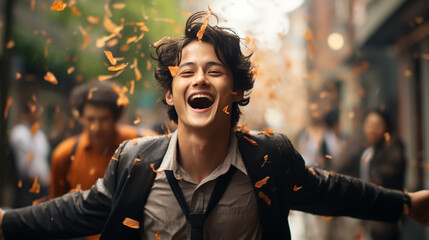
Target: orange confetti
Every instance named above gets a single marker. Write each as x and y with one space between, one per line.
408 73
152 165
251 141
10 44
134 142
8 105
110 57
117 68
118 5
131 39
91 91
265 160
142 26
112 42
58 6
173 70
46 51
115 159
17 76
137 120
122 153
39 200
107 10
265 197
137 160
91 171
131 223
34 128
29 158
33 5
204 26
161 41
327 217
36 187
93 20
268 132
158 236
167 20
328 156
70 70
122 98
109 25
387 137
86 38
77 188
132 87
225 109
106 77
19 183
148 64
76 11
262 182
296 188
50 77
102 41
136 70
234 93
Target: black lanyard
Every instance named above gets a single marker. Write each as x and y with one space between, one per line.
197 219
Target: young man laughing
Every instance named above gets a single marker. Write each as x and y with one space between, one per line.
206 181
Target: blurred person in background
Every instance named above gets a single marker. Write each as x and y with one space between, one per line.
381 161
79 161
30 153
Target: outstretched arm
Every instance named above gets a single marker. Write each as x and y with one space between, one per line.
419 209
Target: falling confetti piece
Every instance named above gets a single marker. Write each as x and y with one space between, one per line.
251 141
296 188
268 132
408 73
328 156
122 98
152 165
137 160
225 109
161 41
39 200
115 159
142 26
33 5
131 223
86 38
76 11
146 84
34 128
19 183
132 87
17 76
122 153
173 70
327 217
8 105
118 5
131 39
10 44
148 65
158 236
265 197
110 57
262 182
50 77
109 25
387 137
70 70
137 121
117 68
265 160
204 26
93 20
36 187
107 77
91 91
136 70
58 6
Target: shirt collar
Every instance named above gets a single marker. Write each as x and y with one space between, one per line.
233 157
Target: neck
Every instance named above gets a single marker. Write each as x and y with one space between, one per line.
201 152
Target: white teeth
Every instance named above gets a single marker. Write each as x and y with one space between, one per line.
201 96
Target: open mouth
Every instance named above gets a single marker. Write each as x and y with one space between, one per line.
200 101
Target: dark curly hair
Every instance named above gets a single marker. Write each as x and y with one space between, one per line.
227 47
103 95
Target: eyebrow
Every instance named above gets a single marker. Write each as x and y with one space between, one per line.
208 64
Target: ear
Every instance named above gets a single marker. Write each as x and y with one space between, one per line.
169 98
238 96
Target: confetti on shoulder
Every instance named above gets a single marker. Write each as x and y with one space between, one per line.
115 159
251 141
268 132
158 236
152 165
265 160
262 182
265 197
131 223
173 70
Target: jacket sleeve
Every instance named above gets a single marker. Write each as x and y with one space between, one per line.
327 193
72 215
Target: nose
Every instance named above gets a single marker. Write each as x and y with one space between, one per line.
201 79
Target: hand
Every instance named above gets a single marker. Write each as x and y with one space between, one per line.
1 220
420 207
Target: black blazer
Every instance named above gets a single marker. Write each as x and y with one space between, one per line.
125 187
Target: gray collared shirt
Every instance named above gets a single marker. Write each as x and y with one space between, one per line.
234 217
